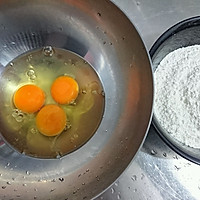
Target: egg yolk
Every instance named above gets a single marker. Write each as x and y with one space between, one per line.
64 90
29 98
51 120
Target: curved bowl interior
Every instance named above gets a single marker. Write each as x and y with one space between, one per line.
100 33
183 34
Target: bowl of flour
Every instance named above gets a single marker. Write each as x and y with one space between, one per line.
176 64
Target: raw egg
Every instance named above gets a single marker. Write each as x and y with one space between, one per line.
64 90
29 98
51 120
51 102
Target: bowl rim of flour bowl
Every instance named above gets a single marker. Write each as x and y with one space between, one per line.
160 49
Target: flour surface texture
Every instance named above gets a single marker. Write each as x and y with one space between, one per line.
177 95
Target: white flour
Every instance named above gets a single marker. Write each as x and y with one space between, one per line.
177 95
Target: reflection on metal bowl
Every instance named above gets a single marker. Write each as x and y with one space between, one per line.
100 33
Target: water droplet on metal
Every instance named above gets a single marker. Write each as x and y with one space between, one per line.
137 3
24 184
28 173
35 189
134 178
99 14
175 157
48 51
153 152
87 170
142 176
74 192
34 197
177 167
134 190
118 196
8 183
112 190
13 43
165 154
61 179
3 187
58 156
110 43
52 189
11 64
83 183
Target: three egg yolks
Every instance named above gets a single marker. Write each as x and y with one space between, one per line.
51 119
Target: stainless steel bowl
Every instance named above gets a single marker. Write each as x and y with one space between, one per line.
182 34
100 33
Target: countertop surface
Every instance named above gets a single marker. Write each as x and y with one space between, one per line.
157 172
